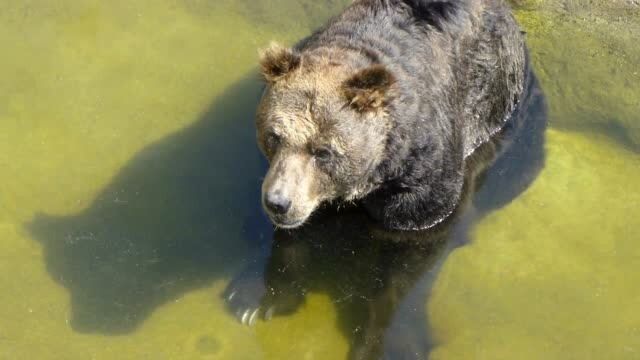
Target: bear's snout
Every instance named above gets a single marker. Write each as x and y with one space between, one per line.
276 202
289 189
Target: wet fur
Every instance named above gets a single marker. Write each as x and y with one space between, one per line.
453 73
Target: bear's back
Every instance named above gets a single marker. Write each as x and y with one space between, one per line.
461 62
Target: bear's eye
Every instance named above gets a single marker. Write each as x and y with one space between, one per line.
273 140
322 153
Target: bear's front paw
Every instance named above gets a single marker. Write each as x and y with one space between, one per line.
243 297
249 299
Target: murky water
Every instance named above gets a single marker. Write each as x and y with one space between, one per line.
129 210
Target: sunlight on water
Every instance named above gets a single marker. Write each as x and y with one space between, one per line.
551 275
130 179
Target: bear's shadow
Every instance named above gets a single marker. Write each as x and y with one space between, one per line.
182 213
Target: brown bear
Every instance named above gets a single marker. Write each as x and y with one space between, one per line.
383 105
379 279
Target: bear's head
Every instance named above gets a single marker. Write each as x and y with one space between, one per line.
322 123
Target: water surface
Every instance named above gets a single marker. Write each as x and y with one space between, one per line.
129 183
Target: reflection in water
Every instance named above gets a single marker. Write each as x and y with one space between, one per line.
376 278
171 221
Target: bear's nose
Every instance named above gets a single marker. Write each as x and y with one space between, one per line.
277 203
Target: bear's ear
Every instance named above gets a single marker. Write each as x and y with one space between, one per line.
277 61
368 89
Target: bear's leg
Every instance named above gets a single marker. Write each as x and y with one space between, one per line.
270 286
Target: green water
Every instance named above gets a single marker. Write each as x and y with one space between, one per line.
129 183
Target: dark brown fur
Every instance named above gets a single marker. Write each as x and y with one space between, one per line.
383 105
